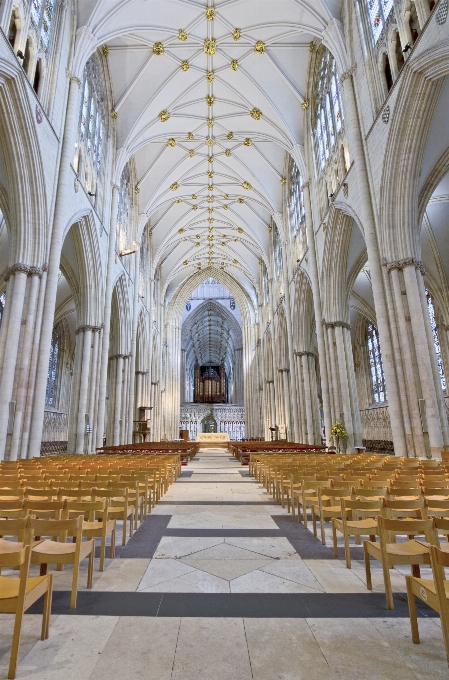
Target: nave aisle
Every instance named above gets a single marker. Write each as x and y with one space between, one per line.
220 582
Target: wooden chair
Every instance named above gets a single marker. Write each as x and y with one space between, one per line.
434 592
329 507
134 497
119 507
18 594
60 552
92 528
389 554
309 496
404 509
363 523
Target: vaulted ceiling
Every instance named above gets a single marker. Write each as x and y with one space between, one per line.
208 97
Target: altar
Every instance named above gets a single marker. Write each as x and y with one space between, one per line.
214 440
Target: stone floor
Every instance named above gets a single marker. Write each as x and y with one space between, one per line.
220 582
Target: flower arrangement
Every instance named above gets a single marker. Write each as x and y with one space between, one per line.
338 432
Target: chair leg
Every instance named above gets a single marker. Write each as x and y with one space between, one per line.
388 588
125 519
102 554
347 550
314 523
412 611
334 538
90 569
322 528
47 608
15 645
304 515
76 568
369 584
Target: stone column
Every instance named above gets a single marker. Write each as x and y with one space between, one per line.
353 130
116 412
93 393
107 318
320 331
132 358
86 333
13 329
64 185
404 354
32 366
24 361
304 358
124 400
436 440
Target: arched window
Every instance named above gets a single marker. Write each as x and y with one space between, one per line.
376 366
42 18
436 341
52 369
123 209
295 204
12 30
91 120
379 11
329 110
277 251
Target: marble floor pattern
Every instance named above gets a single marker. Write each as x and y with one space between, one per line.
218 534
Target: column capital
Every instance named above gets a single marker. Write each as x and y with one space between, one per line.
24 269
72 77
304 353
406 262
348 74
337 324
83 329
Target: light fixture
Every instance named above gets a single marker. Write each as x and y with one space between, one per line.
129 251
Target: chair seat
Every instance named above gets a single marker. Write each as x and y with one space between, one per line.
407 548
429 584
9 587
96 528
57 548
370 524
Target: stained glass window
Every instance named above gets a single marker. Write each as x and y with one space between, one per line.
295 203
42 19
436 340
278 262
378 12
123 208
91 117
329 111
52 369
375 364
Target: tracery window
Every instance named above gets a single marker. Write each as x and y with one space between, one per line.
124 208
436 340
295 204
143 262
91 123
277 251
52 369
378 11
376 365
42 12
329 111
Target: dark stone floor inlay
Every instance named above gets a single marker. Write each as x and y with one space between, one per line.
238 605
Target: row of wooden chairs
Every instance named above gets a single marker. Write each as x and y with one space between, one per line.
401 508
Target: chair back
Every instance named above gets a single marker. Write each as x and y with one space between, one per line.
18 528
